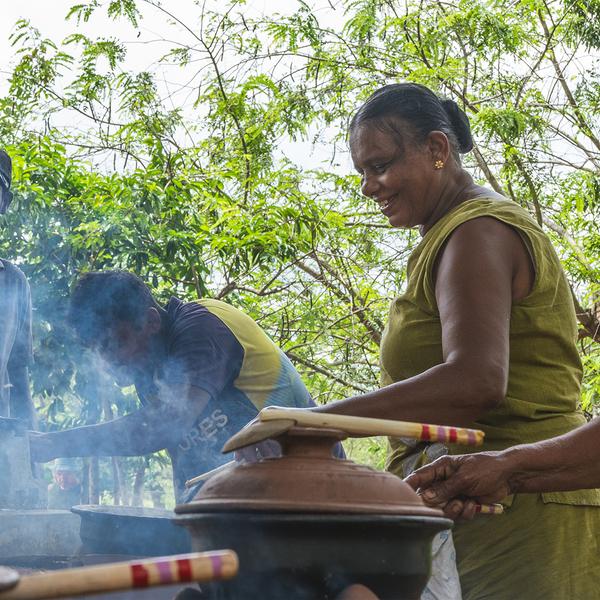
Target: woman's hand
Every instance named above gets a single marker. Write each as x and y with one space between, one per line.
265 449
356 592
456 483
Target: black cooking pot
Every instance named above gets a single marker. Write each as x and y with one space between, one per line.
130 530
314 557
307 525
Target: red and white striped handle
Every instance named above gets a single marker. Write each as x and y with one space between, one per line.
203 566
370 426
489 509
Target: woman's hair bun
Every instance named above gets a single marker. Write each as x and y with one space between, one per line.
460 125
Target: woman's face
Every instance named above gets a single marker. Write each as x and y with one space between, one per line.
402 180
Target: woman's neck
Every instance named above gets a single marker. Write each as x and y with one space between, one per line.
458 188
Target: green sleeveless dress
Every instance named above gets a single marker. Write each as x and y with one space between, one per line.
544 545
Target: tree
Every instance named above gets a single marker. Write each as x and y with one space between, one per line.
199 197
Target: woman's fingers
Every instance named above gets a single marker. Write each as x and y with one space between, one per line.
469 510
357 592
462 510
481 477
454 509
445 491
247 454
268 449
436 479
251 454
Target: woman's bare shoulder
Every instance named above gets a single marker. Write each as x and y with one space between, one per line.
479 192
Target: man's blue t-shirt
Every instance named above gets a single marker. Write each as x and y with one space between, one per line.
214 346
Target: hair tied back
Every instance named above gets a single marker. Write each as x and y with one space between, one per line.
460 125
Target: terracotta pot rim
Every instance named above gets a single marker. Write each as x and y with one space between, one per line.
293 506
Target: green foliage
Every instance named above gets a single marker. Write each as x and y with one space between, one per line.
201 197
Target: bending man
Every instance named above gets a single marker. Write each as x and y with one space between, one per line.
201 369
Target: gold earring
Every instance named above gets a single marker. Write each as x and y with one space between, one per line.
438 164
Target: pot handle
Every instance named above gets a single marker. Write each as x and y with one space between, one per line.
203 566
369 426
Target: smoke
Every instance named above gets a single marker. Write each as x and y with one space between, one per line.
18 487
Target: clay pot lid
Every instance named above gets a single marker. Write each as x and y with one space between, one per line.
308 479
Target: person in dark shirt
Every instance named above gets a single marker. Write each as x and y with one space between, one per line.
15 324
65 491
202 370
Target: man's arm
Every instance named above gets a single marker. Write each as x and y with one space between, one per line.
568 462
147 430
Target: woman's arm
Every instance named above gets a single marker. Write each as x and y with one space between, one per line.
479 274
568 462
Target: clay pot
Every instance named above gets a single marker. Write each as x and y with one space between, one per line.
308 479
307 525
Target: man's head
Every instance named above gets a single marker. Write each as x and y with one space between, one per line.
114 313
5 181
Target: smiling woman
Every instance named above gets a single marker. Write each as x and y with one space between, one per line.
396 164
484 336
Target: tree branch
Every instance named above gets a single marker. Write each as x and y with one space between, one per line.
314 367
581 120
374 334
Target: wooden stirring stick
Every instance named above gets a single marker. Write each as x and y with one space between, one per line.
204 476
204 566
369 426
489 509
274 421
256 432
